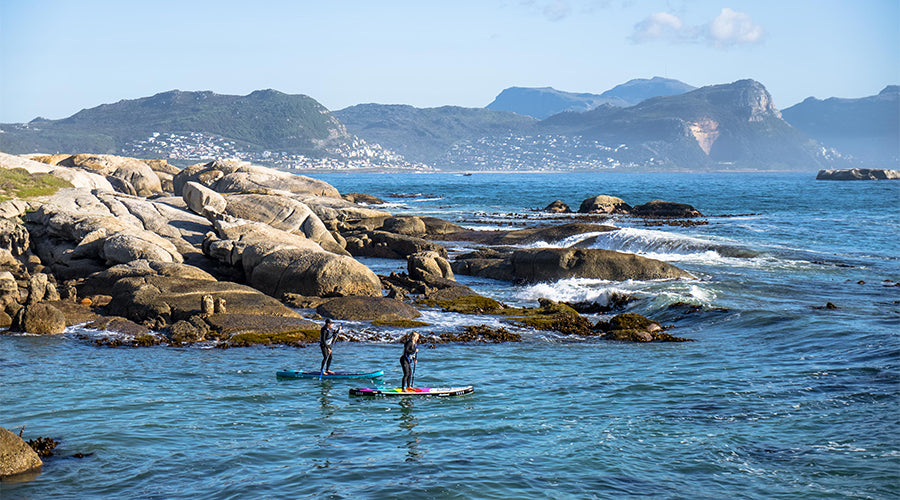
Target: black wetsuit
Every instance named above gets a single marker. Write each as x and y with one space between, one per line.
409 351
326 340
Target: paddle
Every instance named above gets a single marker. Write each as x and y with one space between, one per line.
413 377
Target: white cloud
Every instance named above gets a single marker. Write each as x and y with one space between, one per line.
659 26
733 28
728 29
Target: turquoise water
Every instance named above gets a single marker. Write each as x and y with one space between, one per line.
776 398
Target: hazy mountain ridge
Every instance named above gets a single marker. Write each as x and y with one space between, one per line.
544 102
867 128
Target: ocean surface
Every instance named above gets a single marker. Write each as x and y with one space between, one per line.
776 397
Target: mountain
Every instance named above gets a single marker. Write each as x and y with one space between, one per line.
867 128
547 101
729 126
265 126
423 135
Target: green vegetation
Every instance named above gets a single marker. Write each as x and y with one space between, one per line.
262 120
482 333
19 183
262 338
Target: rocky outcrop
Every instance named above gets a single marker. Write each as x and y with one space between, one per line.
16 457
858 174
552 264
409 225
604 204
425 266
389 245
39 319
230 176
135 174
558 207
282 213
202 200
659 209
633 327
367 309
526 236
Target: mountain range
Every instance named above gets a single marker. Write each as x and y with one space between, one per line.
867 129
544 102
656 124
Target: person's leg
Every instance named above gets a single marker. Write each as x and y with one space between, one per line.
407 373
326 358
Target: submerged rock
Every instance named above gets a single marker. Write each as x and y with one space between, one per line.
16 457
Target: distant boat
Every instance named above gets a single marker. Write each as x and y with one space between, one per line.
467 174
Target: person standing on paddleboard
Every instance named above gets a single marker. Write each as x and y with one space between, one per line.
326 340
408 358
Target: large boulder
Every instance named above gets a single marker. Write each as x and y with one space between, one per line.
132 171
202 200
321 274
367 309
659 209
229 176
40 319
164 300
424 266
14 237
552 264
604 204
102 282
282 213
341 215
409 225
558 207
16 457
126 246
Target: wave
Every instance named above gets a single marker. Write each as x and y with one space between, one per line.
648 242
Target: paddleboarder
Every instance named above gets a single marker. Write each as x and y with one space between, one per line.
408 358
326 339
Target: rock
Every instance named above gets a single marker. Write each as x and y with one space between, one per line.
361 198
129 245
408 225
633 327
75 313
229 176
16 457
102 282
658 209
9 289
202 200
389 245
341 215
604 204
163 300
321 274
37 289
303 301
367 309
858 174
436 227
119 325
39 319
552 264
549 234
250 329
285 214
14 237
133 171
558 207
429 264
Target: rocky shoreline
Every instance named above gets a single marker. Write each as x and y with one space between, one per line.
230 253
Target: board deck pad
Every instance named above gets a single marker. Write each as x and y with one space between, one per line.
417 391
335 375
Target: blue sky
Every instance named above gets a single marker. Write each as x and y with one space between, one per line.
58 57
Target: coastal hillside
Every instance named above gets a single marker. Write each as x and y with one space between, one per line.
266 126
424 135
546 101
868 128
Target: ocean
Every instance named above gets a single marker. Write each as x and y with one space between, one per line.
778 396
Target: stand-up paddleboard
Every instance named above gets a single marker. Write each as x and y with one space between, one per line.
418 391
335 375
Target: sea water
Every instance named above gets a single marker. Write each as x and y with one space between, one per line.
776 397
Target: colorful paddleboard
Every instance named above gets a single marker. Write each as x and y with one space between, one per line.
418 391
335 375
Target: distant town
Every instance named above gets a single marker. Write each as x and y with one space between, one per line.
354 155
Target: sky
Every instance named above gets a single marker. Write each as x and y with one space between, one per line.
60 56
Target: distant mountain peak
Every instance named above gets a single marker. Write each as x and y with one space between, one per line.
543 102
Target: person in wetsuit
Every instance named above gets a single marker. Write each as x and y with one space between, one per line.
326 340
408 358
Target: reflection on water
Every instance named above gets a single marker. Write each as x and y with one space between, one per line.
408 423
